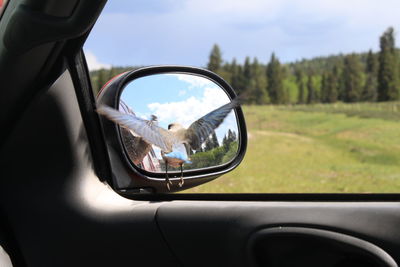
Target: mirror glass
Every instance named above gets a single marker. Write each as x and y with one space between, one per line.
193 120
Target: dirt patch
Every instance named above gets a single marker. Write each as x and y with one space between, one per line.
271 133
250 135
354 135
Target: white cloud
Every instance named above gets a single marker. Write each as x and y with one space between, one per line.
182 93
292 28
187 111
237 9
366 11
93 62
193 80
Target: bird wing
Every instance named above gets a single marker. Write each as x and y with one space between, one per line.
146 129
200 130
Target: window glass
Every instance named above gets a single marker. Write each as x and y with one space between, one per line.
320 79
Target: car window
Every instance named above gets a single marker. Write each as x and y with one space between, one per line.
320 82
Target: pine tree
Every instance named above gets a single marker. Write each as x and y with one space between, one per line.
337 74
370 92
225 143
247 70
101 79
214 140
208 145
311 95
227 140
275 81
300 85
246 79
241 80
225 72
231 136
302 96
371 63
388 87
211 142
331 88
257 90
111 73
235 79
352 78
324 88
215 59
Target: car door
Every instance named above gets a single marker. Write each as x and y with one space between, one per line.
57 210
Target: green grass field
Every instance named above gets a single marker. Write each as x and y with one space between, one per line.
320 148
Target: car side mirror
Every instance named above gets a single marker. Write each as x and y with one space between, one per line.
170 128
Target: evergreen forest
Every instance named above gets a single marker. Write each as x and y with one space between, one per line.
356 77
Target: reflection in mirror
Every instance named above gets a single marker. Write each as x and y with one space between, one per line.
192 117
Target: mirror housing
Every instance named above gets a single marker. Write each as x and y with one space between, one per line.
127 178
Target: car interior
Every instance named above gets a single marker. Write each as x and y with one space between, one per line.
59 205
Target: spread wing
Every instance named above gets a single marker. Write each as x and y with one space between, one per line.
200 130
148 130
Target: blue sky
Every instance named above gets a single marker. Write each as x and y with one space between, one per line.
181 98
155 89
150 32
144 94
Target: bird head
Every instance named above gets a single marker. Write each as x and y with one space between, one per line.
174 127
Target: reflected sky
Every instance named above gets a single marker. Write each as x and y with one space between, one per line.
181 98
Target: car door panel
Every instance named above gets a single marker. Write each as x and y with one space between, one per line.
221 231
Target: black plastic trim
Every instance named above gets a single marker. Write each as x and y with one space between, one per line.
317 197
80 77
28 28
9 242
344 240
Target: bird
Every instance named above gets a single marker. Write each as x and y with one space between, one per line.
136 147
172 141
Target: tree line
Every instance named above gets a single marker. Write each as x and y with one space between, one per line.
355 77
211 153
102 76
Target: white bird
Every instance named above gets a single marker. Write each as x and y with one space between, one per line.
172 140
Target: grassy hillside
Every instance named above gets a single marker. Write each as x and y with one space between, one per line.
318 148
